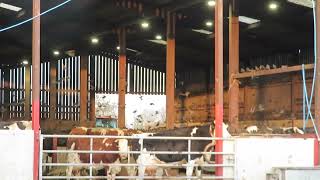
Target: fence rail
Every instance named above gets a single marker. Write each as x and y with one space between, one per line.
142 151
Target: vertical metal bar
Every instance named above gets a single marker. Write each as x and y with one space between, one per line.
141 141
83 89
91 159
122 79
219 83
40 157
317 84
189 152
36 85
170 70
233 66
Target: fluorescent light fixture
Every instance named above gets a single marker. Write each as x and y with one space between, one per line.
10 7
162 42
202 31
248 20
94 40
56 53
25 62
306 3
209 23
273 6
211 3
144 25
133 50
158 37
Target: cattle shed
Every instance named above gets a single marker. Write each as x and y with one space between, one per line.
160 89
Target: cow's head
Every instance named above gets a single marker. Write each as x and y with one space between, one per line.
225 132
123 148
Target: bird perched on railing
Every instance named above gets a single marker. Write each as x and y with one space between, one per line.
268 67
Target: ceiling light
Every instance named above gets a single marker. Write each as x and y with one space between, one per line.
132 50
211 3
248 20
305 3
202 31
273 6
56 53
209 23
144 25
10 7
162 42
118 47
94 40
159 37
25 62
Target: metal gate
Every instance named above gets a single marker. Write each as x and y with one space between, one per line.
138 167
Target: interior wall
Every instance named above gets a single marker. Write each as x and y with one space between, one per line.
260 100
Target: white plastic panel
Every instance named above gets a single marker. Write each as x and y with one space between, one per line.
16 157
257 156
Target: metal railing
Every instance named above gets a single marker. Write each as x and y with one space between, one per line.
182 165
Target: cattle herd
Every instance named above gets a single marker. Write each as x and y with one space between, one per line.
127 152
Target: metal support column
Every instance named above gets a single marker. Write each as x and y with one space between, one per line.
317 88
36 85
233 66
92 115
170 72
27 105
53 90
83 89
122 78
219 83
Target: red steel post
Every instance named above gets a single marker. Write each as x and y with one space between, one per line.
233 67
170 70
219 83
36 86
317 88
122 78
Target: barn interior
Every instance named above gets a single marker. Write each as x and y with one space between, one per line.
199 61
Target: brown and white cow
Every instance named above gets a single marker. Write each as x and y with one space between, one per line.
100 144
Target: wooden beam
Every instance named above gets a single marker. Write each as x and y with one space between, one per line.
218 19
27 105
92 115
83 89
122 78
272 71
170 72
233 67
53 90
